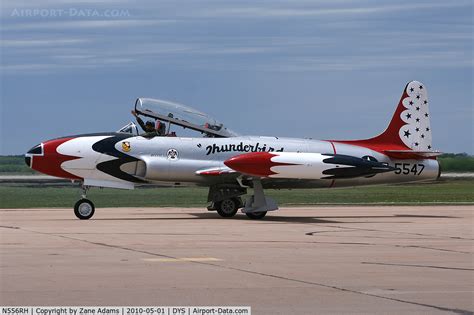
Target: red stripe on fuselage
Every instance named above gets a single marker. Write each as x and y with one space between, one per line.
50 162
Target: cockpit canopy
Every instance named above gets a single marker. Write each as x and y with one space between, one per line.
181 115
130 128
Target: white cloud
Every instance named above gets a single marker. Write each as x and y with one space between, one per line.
288 12
6 43
84 24
12 4
439 59
27 67
66 64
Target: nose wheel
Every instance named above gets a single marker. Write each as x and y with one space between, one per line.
84 209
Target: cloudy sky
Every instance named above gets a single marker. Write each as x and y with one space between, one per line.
330 69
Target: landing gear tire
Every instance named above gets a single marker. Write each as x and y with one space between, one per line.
84 209
256 215
227 208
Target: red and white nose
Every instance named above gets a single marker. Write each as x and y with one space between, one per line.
36 150
46 159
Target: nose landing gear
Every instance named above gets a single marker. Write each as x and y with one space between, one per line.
84 209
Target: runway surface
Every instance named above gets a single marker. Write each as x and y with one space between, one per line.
324 260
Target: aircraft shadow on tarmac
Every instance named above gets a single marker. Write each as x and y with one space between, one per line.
212 216
287 219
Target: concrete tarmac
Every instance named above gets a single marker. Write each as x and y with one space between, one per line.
313 260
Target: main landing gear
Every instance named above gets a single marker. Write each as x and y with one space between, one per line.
84 208
257 205
227 201
227 208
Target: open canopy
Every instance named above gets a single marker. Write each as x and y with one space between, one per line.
183 116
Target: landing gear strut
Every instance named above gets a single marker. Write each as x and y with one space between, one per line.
258 204
84 208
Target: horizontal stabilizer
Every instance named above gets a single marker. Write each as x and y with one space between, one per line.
409 154
347 166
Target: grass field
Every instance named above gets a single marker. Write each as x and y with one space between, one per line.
14 164
441 192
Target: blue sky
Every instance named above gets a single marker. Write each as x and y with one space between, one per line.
322 69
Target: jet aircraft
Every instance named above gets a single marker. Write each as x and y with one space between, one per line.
231 164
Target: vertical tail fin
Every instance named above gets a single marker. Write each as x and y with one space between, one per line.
416 132
409 129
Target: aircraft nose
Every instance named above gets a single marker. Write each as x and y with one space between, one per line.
36 150
46 159
28 160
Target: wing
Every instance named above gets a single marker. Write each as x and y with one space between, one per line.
409 154
216 171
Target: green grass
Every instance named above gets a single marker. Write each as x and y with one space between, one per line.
14 165
32 197
456 162
443 192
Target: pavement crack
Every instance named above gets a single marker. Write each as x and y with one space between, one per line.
416 266
395 245
9 227
331 231
105 245
379 237
398 232
434 248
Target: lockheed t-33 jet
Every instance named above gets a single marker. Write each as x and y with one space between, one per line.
231 164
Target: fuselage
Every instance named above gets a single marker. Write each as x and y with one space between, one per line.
122 161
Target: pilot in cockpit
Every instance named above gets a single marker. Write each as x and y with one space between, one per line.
160 128
151 129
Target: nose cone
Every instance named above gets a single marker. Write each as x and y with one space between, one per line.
28 160
36 150
46 159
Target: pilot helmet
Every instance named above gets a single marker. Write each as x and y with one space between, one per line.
150 125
